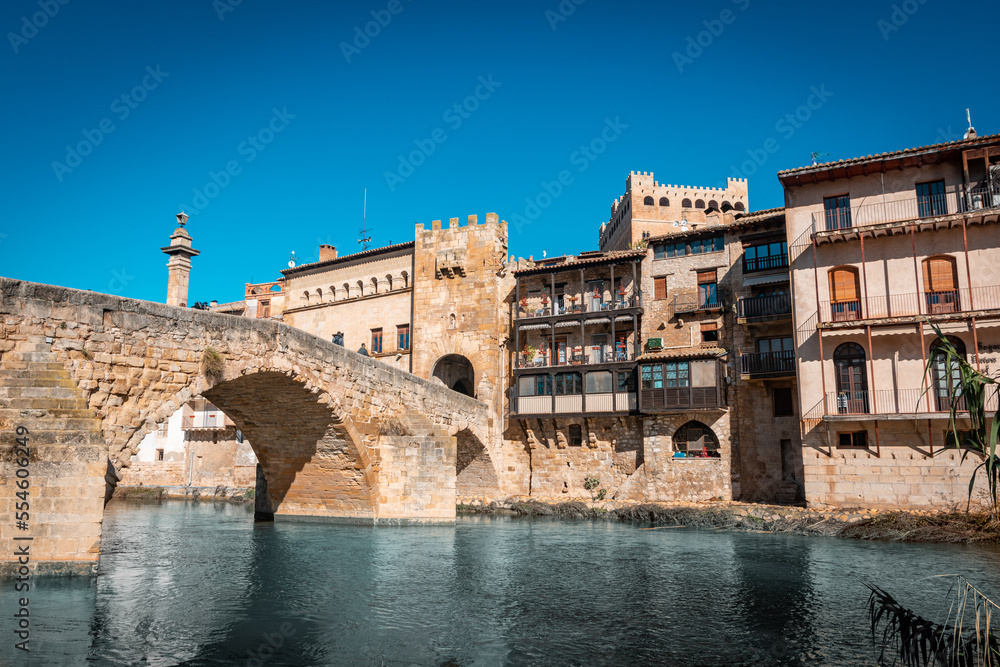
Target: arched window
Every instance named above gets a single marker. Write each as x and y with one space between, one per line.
852 379
700 203
739 206
845 294
648 201
694 439
374 286
347 291
406 279
333 293
947 374
941 285
726 207
686 203
713 205
305 296
361 289
319 295
664 201
388 282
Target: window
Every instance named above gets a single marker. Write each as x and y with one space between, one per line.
569 384
376 341
783 406
852 379
678 373
930 199
534 385
699 203
240 438
686 203
652 377
626 381
403 337
765 256
660 288
575 435
161 430
695 440
648 201
947 377
599 382
712 244
858 439
668 250
941 285
664 201
739 206
708 293
265 308
965 439
837 211
710 333
781 344
845 302
159 454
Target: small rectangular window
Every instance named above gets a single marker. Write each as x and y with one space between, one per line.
376 341
265 308
626 381
159 454
837 211
783 406
403 337
659 251
858 439
599 382
710 333
660 288
575 435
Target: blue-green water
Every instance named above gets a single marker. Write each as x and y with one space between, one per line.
200 584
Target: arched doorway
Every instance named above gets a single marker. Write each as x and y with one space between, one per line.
852 379
457 373
696 440
947 375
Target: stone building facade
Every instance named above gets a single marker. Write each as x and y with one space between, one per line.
650 209
889 253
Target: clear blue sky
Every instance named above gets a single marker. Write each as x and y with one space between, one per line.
97 221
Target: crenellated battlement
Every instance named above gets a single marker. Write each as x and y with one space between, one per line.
491 220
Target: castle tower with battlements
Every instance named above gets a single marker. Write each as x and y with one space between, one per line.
650 209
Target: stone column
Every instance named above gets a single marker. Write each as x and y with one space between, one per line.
179 265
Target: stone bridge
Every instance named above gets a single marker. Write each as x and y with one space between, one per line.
337 435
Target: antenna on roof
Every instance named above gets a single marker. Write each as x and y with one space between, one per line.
971 132
365 240
816 156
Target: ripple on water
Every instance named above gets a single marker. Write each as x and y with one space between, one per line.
200 584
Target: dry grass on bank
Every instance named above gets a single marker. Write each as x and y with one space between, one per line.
952 528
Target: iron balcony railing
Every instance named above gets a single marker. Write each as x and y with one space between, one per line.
591 355
693 303
896 402
911 304
911 207
753 264
768 363
774 305
571 307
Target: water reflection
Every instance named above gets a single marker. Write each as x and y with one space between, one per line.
202 585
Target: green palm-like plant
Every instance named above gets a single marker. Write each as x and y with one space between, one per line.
971 393
965 639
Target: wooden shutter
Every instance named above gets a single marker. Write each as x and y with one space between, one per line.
843 285
660 287
939 274
706 276
710 326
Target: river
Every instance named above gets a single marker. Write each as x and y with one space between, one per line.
200 584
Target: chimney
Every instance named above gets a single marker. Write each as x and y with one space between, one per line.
179 265
327 252
213 303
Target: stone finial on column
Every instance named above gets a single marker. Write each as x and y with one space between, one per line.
179 264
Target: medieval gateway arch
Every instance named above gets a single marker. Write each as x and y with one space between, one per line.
84 376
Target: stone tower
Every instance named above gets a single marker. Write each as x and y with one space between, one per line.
179 265
460 318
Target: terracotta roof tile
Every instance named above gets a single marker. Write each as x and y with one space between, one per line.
577 262
687 353
992 138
